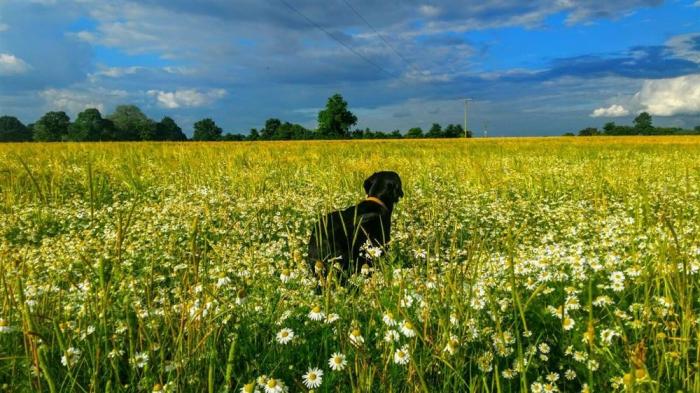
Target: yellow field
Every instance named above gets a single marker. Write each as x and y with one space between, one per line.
524 264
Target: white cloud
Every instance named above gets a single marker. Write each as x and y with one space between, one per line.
74 101
186 98
672 96
11 65
611 111
684 46
429 10
4 27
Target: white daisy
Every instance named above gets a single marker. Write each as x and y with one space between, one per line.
391 335
274 386
337 362
401 355
316 314
407 329
388 319
285 335
313 378
356 337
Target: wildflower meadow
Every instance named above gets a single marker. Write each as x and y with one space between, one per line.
516 265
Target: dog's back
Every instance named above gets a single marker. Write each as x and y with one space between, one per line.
340 235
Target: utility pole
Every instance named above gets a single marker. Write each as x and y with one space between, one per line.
466 109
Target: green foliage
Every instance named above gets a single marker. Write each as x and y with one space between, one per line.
12 130
131 124
89 126
590 131
643 124
435 131
52 127
206 130
168 130
415 132
335 121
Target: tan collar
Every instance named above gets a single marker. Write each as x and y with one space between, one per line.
377 201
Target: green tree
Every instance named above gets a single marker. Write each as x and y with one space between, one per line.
270 129
335 121
168 130
52 127
206 130
131 124
253 135
88 126
12 130
642 124
415 132
610 128
590 131
435 131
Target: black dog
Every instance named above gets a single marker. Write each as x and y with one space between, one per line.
341 235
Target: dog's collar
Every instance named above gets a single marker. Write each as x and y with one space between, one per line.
377 201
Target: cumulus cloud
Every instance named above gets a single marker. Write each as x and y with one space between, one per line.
611 111
685 46
672 96
74 101
11 65
186 98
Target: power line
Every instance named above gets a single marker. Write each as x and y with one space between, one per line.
351 49
408 63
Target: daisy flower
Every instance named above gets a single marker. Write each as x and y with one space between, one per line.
568 323
452 345
285 335
401 355
249 388
274 386
332 317
388 319
407 329
337 362
356 337
313 378
391 335
316 314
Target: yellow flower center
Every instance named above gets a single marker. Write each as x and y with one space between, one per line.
272 383
249 388
356 332
312 376
408 325
316 309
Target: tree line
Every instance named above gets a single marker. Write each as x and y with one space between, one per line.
129 123
642 125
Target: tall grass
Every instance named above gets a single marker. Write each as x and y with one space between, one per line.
532 264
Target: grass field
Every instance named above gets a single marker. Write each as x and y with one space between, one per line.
541 264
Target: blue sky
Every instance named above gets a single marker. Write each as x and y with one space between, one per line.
531 68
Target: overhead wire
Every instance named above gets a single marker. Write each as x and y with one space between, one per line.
346 46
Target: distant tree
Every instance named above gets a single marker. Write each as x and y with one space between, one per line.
12 130
435 131
590 131
168 130
697 129
610 128
88 126
232 137
253 135
270 129
131 124
206 130
415 132
643 124
568 134
52 127
396 134
335 121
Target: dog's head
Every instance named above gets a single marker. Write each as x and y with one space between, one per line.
384 185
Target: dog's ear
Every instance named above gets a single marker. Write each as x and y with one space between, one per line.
369 182
394 191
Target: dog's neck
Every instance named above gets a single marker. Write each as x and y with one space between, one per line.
379 202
